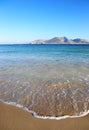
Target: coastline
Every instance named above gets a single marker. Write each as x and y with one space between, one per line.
34 114
85 44
16 84
14 118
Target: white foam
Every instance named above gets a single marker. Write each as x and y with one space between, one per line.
62 117
81 114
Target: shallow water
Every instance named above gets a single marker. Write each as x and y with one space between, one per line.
52 80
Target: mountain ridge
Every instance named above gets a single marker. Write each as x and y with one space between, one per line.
61 40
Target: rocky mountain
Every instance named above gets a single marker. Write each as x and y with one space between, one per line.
61 40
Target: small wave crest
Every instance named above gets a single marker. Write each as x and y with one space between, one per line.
50 99
81 114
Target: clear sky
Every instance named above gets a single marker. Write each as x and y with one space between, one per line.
27 20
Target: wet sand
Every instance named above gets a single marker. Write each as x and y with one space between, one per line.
13 118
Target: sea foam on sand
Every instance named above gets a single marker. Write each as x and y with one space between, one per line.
81 114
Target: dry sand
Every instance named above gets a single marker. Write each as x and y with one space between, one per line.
13 118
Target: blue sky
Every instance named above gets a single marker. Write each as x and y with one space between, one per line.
27 20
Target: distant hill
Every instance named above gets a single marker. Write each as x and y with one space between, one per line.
61 40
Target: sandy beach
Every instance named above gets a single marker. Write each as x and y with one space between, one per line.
13 118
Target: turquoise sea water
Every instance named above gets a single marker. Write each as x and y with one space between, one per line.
37 76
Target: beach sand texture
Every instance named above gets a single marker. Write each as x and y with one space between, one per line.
13 118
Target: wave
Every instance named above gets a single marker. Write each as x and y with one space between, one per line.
81 114
51 99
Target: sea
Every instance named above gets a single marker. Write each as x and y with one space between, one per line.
51 80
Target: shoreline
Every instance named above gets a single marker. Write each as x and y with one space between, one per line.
34 114
44 44
14 118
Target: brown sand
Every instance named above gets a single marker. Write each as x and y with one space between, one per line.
13 118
